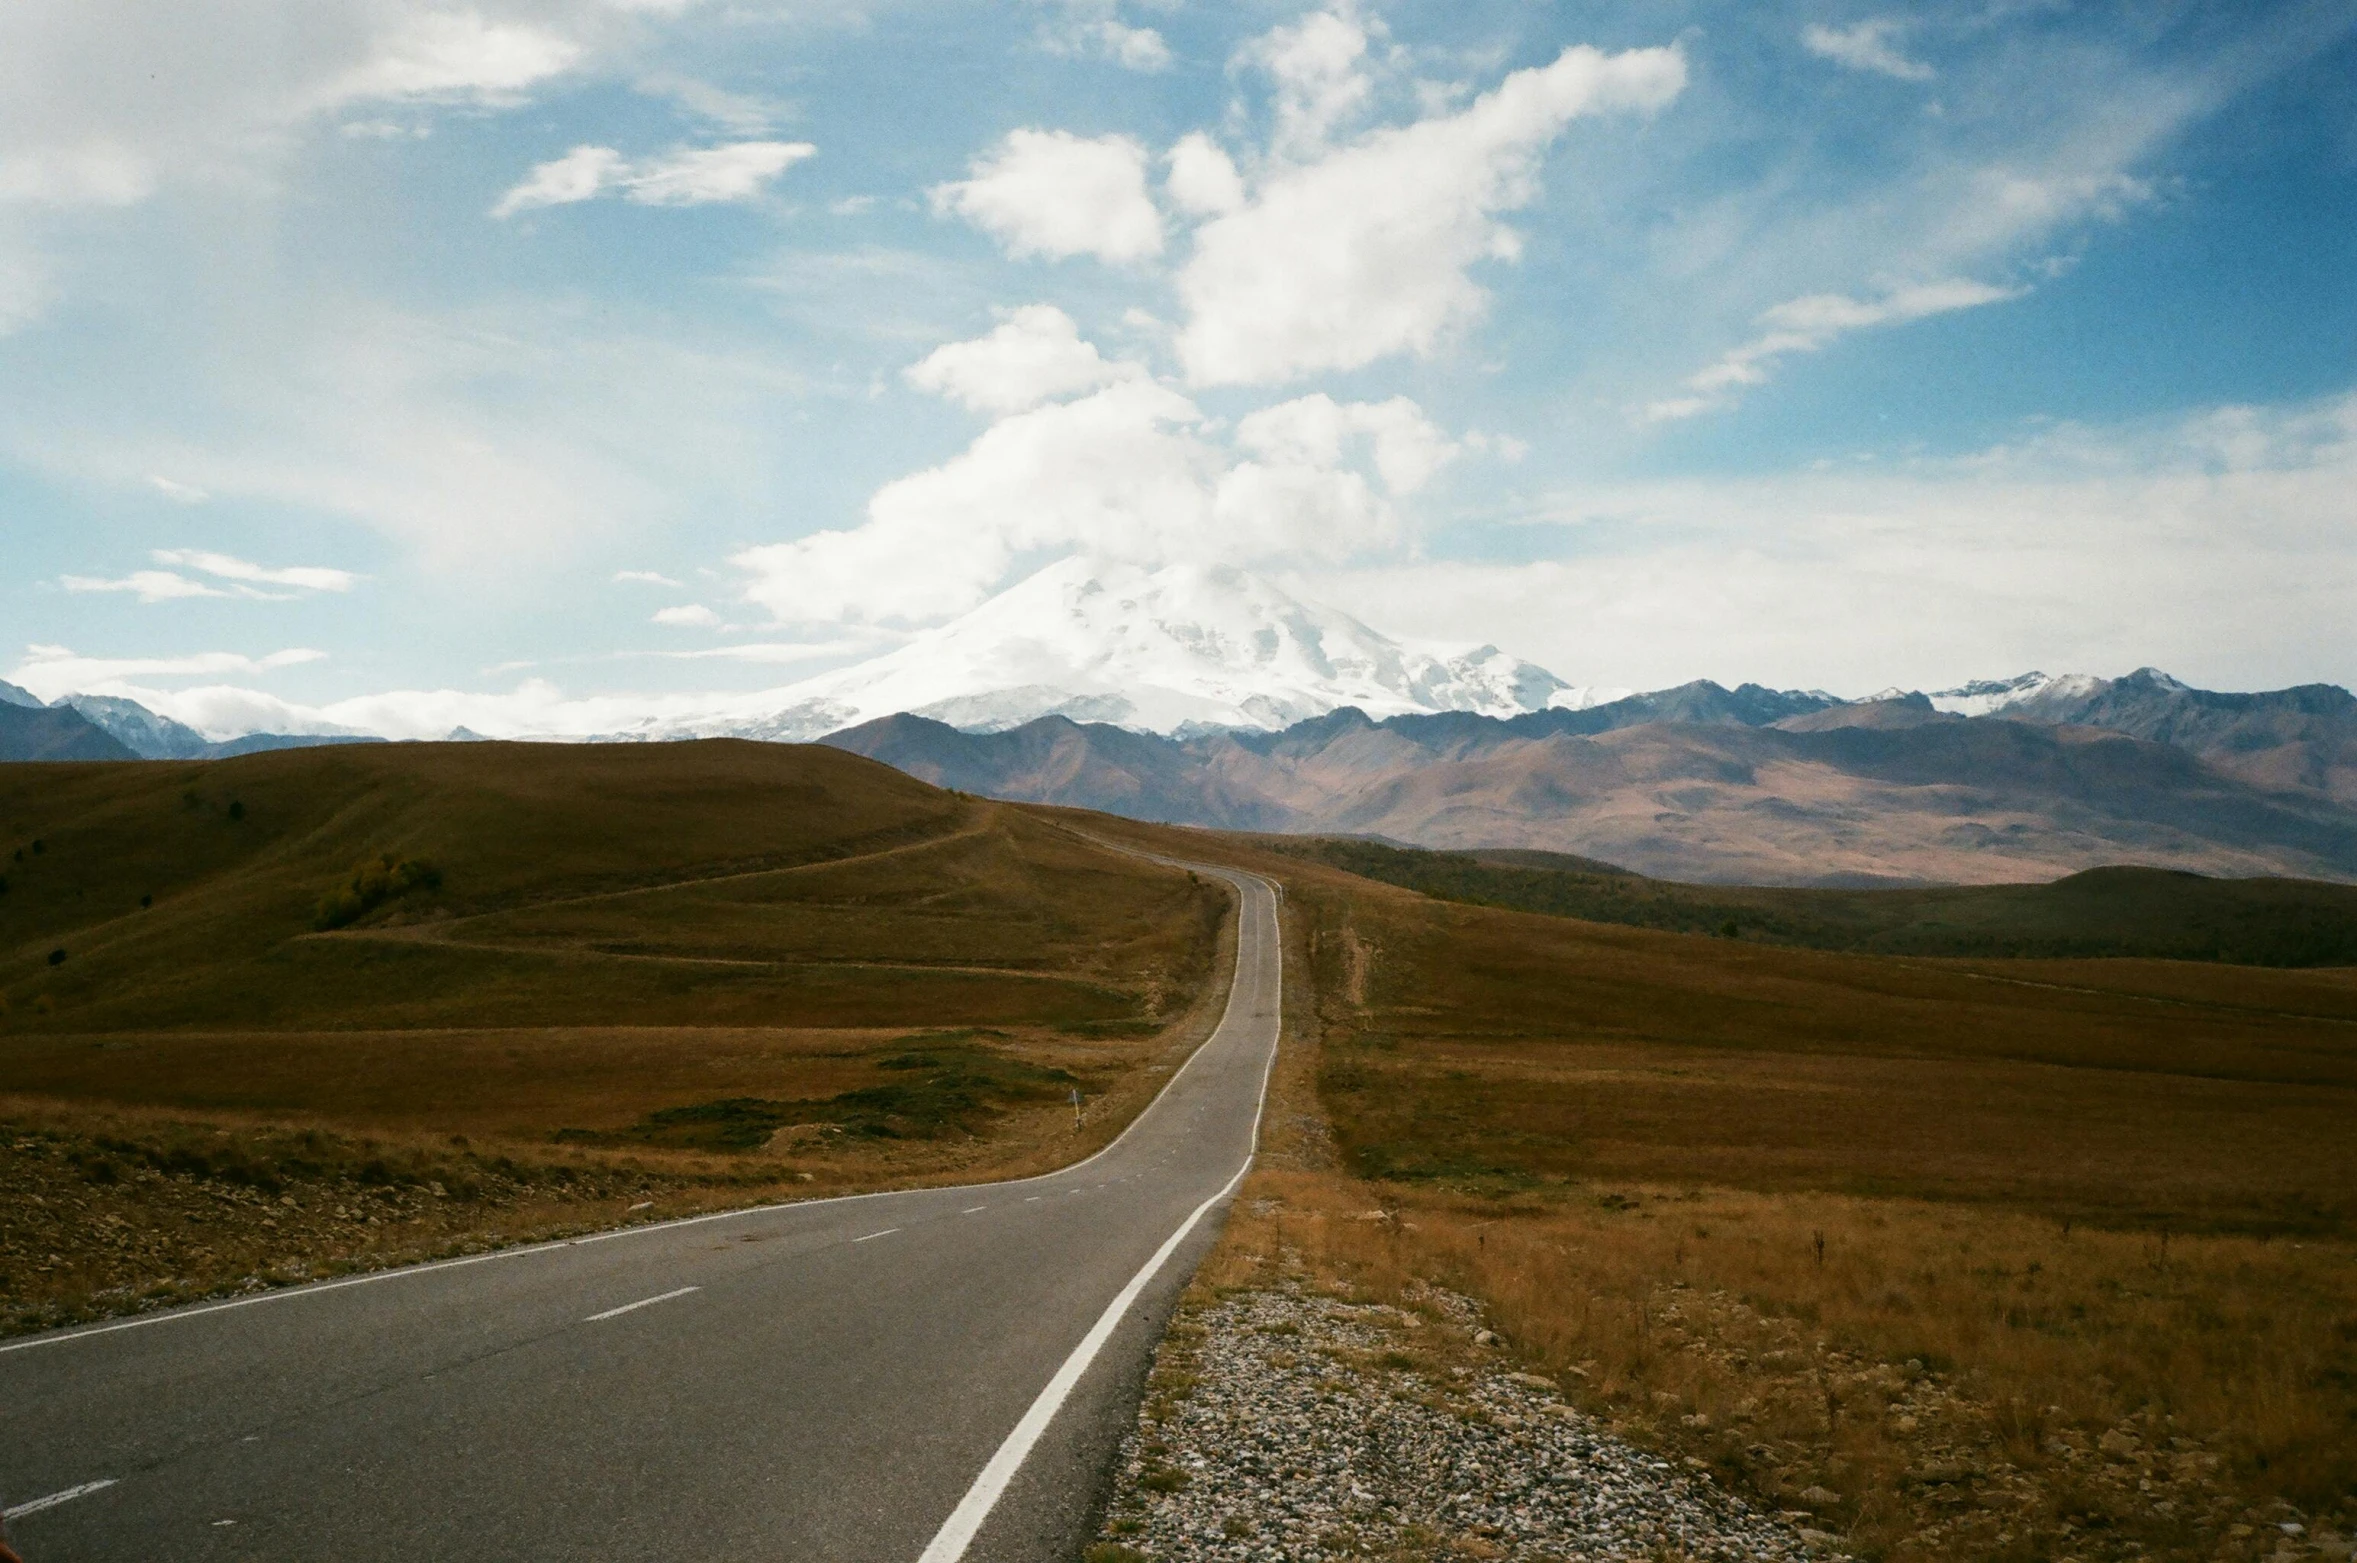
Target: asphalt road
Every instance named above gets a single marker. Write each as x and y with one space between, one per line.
891 1376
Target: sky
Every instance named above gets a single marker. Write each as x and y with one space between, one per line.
403 363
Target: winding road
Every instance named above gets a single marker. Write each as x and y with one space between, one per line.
916 1377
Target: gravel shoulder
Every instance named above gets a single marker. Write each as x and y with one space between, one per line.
1283 1422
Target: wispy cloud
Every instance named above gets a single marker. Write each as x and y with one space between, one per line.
687 615
1865 46
646 577
245 577
1808 325
303 577
698 176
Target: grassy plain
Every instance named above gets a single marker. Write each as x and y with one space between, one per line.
1966 1259
558 982
2101 912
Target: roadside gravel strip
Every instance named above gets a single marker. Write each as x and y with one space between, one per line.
1281 1424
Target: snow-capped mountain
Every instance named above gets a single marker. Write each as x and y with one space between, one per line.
1985 696
1166 650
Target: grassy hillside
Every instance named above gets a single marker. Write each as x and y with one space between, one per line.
717 883
2103 912
570 979
1989 1259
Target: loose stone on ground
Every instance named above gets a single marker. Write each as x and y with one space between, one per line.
1283 1424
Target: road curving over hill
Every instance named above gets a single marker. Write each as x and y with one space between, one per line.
935 1374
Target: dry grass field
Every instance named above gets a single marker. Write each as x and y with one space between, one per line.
555 982
1988 1259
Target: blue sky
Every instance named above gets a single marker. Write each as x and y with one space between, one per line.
398 362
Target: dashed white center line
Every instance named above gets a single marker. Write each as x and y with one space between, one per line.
643 1302
56 1498
1032 1199
970 1209
872 1236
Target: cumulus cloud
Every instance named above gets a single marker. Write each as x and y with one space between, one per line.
1054 194
1315 65
1203 178
1132 471
699 176
687 615
1865 46
1809 324
1035 354
1367 251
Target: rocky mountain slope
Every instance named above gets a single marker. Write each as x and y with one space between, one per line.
1897 793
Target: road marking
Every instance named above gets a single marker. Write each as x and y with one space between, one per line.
650 1228
1031 1199
970 1209
965 1521
56 1498
872 1236
643 1302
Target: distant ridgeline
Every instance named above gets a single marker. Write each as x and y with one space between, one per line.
2151 912
1742 786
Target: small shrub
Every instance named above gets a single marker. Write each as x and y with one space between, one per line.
237 809
375 881
57 957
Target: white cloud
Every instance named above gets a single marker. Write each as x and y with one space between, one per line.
1367 251
1055 194
435 54
50 671
742 113
149 586
1865 46
687 615
2074 550
1809 324
649 577
182 493
1130 472
309 578
1094 29
168 585
1203 178
1034 355
738 171
1316 65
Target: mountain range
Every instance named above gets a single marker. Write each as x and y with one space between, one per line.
1210 696
1748 785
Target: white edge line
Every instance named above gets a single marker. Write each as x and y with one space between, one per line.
283 1294
56 1498
966 1520
643 1302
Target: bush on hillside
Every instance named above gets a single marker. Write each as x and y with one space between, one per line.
375 881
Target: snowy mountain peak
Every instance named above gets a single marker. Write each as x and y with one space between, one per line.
1180 647
1985 695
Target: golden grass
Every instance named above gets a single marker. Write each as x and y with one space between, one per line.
2089 1278
607 933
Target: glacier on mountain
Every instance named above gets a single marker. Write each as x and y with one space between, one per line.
1182 647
